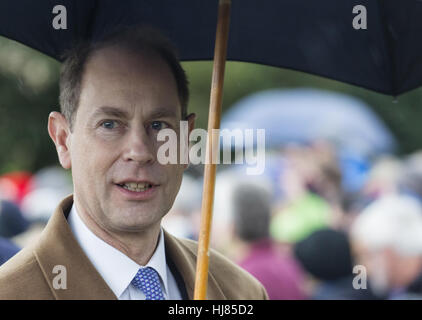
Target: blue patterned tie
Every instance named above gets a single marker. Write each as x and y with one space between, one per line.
148 282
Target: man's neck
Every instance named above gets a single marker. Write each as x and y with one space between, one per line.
138 246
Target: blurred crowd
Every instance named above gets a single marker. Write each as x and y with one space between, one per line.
318 224
27 201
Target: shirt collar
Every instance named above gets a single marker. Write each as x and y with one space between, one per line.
115 267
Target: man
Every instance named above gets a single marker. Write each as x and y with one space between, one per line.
326 280
277 271
105 241
387 240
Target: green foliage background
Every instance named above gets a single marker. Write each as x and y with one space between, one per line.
29 91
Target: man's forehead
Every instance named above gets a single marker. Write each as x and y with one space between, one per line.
121 69
115 57
113 81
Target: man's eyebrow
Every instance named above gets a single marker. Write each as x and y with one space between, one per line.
110 111
163 113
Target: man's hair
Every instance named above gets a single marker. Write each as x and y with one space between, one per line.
138 40
391 221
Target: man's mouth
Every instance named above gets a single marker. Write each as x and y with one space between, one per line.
136 186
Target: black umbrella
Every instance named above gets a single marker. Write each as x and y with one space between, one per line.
370 43
317 37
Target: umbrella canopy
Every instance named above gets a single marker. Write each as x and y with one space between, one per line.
317 37
306 115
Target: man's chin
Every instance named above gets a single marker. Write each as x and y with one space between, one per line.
134 227
131 220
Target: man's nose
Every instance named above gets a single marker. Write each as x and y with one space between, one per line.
139 147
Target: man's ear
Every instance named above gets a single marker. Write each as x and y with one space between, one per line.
191 125
59 131
191 121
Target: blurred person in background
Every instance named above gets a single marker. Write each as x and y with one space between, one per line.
387 240
410 179
7 250
325 178
15 185
181 219
49 186
326 257
12 223
309 200
222 233
383 178
12 220
352 205
279 273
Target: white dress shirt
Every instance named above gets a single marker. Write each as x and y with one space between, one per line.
117 269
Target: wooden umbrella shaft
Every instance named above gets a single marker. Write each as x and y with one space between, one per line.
214 118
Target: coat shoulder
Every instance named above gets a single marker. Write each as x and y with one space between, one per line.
235 282
21 278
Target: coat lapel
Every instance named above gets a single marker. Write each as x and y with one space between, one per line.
58 247
184 258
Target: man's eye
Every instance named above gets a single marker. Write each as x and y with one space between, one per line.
109 124
158 125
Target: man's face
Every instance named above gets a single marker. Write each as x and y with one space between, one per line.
125 100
